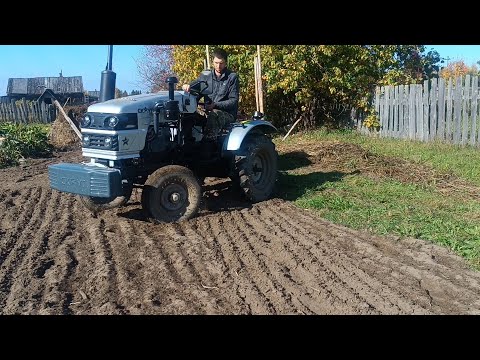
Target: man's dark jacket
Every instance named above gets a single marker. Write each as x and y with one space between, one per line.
226 90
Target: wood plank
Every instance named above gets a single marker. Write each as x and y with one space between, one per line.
59 107
457 111
473 112
433 123
2 112
441 109
448 119
465 110
377 100
24 111
401 120
396 121
417 108
411 112
426 113
390 111
381 111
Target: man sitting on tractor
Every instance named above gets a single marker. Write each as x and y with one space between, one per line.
222 106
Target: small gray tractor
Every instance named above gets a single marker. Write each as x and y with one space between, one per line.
143 141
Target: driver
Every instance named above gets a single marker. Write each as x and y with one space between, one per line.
222 109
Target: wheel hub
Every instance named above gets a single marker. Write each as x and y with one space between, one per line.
257 167
173 197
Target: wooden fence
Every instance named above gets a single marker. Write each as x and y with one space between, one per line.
438 109
27 112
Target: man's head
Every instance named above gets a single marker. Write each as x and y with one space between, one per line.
219 60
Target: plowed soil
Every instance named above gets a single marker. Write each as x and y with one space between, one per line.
233 258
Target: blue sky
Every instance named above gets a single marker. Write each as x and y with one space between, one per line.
470 54
89 61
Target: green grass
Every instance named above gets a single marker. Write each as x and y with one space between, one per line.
464 162
388 206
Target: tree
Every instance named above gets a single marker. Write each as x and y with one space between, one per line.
119 93
458 68
318 83
412 65
155 66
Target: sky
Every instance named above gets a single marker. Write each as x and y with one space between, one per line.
88 61
470 54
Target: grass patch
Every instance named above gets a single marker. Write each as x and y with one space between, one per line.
384 198
463 162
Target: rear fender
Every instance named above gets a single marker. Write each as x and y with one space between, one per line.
234 140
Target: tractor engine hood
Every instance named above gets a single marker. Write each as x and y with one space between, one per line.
143 103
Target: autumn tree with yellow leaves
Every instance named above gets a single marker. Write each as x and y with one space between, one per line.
318 83
458 68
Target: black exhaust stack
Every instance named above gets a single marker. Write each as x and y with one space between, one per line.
107 84
172 110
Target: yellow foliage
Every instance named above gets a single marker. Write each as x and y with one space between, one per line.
457 69
372 122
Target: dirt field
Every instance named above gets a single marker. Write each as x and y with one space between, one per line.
234 258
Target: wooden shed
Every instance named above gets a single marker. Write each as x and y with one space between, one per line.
64 87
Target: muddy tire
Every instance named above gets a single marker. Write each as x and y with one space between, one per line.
256 168
172 193
99 204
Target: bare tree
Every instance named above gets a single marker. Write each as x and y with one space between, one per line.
155 66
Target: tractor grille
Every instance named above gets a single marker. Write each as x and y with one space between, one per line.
97 141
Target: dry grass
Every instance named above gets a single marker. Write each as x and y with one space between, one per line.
61 135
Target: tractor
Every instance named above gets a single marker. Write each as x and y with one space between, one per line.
155 142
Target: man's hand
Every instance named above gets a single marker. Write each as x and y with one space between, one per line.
210 106
186 87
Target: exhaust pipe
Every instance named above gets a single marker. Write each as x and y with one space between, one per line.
107 84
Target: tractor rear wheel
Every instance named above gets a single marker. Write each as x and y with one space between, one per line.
172 193
256 168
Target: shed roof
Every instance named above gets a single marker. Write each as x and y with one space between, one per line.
60 85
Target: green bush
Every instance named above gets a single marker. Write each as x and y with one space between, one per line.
22 141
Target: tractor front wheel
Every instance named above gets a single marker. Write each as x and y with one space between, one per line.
98 204
170 194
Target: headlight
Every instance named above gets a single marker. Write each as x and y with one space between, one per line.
86 121
86 140
108 142
112 121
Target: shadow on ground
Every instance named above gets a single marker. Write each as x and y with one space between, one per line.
293 160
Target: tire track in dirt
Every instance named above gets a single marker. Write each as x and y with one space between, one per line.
60 263
379 268
407 272
33 289
17 243
13 220
249 285
123 240
167 284
103 280
365 293
330 281
273 276
210 270
291 265
229 276
185 257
